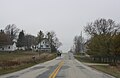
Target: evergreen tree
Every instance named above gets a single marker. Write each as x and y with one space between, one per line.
40 37
21 39
54 41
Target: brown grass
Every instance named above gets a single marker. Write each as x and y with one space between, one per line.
112 70
20 60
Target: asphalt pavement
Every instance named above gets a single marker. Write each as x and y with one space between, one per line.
70 69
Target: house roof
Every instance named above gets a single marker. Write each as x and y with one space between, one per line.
7 43
45 39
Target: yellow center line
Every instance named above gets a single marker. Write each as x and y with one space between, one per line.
55 72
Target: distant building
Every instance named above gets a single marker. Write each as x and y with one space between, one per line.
44 46
9 47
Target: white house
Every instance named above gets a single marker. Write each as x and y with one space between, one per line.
9 47
44 46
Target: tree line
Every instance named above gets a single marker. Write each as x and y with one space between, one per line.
104 42
11 33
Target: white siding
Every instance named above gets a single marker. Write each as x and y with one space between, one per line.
8 47
44 45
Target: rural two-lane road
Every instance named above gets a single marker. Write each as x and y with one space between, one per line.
70 68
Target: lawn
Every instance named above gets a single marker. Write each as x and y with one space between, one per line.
14 61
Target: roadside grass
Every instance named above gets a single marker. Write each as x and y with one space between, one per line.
108 69
14 61
112 70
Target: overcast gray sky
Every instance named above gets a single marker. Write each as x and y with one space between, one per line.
66 17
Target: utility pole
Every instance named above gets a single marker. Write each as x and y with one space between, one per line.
81 45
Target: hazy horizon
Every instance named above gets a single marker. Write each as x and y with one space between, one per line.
66 18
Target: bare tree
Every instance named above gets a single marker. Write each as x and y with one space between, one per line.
12 31
57 43
54 41
78 44
102 26
4 38
29 41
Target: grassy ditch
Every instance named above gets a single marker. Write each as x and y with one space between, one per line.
112 70
14 61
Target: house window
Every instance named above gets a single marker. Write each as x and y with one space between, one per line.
9 47
43 42
41 45
47 45
2 48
